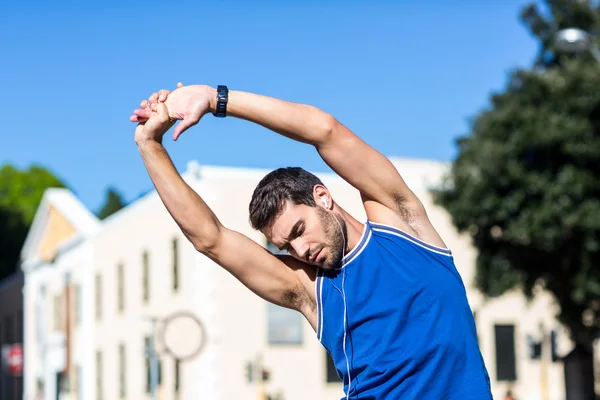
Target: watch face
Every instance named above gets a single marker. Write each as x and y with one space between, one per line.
222 93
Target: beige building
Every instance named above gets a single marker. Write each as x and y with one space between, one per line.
92 288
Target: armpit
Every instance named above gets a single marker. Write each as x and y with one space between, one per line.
401 207
296 298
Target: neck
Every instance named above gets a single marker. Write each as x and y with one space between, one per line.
354 228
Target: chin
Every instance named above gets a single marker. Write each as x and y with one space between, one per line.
330 265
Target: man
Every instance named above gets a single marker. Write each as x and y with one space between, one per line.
384 296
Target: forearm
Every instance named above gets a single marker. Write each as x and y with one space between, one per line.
300 122
196 220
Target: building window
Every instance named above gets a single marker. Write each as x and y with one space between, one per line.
63 383
147 344
273 249
78 304
98 290
56 313
120 287
146 276
505 353
79 382
330 371
99 371
122 372
175 265
285 325
74 380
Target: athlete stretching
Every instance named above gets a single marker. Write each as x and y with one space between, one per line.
384 296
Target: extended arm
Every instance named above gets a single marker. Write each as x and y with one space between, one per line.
349 156
255 267
386 196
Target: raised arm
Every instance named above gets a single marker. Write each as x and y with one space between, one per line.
262 272
349 156
386 196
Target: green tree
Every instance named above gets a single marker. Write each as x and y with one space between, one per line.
20 195
113 203
526 181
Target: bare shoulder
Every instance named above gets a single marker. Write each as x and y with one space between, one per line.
304 298
410 217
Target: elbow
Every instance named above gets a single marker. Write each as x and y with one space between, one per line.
207 242
206 247
326 127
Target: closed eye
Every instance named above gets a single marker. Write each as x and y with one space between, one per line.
296 231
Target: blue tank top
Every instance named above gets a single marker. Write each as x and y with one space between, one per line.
410 332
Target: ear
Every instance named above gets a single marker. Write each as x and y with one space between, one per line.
322 196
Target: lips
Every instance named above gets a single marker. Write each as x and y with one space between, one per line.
316 255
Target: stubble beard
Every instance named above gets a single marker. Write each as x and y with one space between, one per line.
334 229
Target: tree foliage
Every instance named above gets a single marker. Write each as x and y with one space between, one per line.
113 203
526 181
20 195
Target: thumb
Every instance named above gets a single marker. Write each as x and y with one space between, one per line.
162 111
187 122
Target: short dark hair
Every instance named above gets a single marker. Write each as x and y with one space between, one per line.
291 183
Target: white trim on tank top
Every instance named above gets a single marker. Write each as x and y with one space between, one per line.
392 230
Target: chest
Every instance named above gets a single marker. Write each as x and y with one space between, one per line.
387 286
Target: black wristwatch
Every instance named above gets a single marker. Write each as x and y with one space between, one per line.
222 98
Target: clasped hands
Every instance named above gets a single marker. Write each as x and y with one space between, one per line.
163 109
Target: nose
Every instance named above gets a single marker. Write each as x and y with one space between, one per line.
300 247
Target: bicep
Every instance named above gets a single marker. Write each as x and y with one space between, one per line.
385 195
259 270
366 169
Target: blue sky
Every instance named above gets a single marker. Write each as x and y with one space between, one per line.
72 74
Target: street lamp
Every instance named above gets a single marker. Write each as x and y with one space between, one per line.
575 40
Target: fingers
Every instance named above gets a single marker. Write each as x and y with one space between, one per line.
153 98
135 118
162 95
162 112
147 107
144 113
184 125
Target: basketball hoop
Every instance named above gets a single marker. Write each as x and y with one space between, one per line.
180 335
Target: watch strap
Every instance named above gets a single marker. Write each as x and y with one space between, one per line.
222 99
